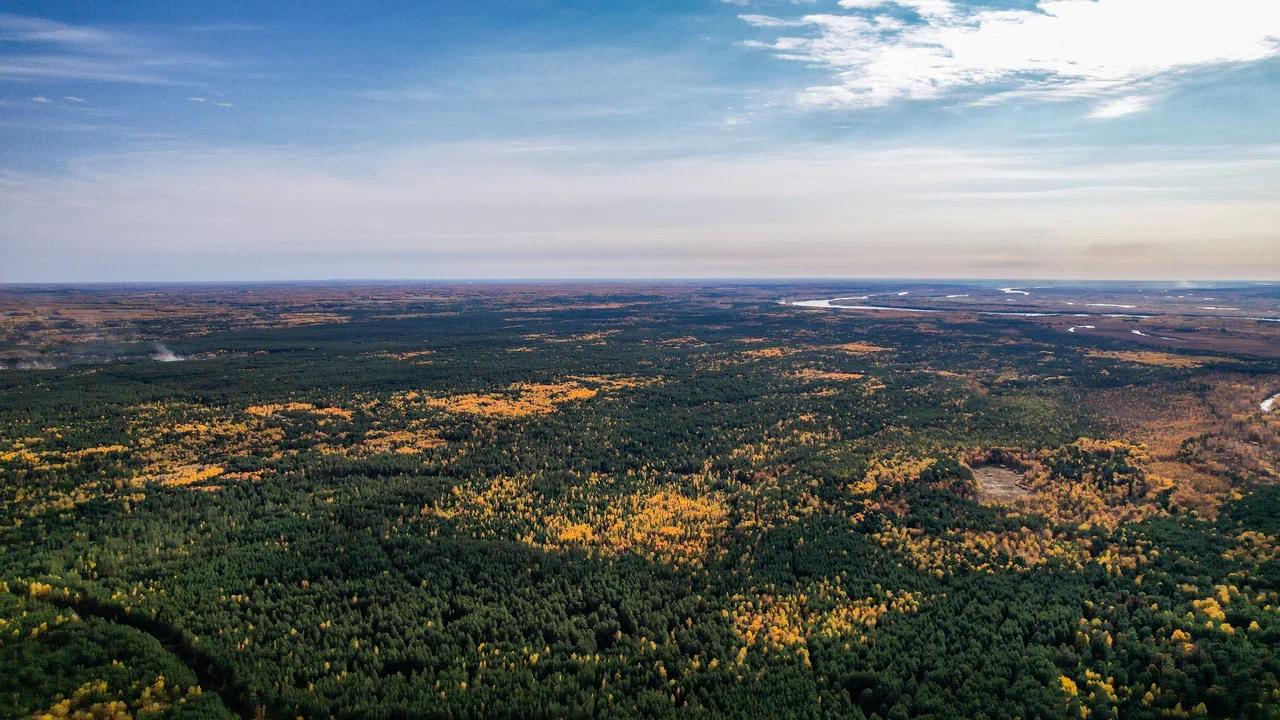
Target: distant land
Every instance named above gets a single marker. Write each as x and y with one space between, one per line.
853 498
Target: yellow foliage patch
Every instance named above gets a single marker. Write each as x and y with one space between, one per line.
577 533
1068 686
769 352
824 609
826 375
298 319
177 441
861 348
405 442
417 357
985 551
94 700
187 475
98 450
1114 481
1147 357
277 408
669 525
890 471
1254 547
599 337
662 524
525 399
665 525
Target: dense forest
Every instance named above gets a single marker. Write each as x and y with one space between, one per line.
631 502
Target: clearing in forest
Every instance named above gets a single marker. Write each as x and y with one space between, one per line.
997 483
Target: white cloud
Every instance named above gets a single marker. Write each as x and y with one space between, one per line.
74 98
40 99
528 209
1115 52
924 8
23 29
53 50
71 67
770 21
1120 107
216 103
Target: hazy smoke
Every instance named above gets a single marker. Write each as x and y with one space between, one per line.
164 354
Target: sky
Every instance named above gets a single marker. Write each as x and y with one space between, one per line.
1104 139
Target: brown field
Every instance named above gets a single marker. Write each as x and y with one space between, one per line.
1200 434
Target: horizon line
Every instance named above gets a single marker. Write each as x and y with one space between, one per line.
631 280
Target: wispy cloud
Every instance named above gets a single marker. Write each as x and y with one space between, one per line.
767 21
49 50
573 84
22 29
923 8
1116 53
227 27
204 100
1120 107
477 209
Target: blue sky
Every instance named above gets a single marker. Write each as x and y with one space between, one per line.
290 140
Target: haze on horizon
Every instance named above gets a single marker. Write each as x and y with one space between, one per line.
1097 139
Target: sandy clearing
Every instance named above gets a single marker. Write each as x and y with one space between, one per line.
999 484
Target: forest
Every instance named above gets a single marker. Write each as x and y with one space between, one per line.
619 501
